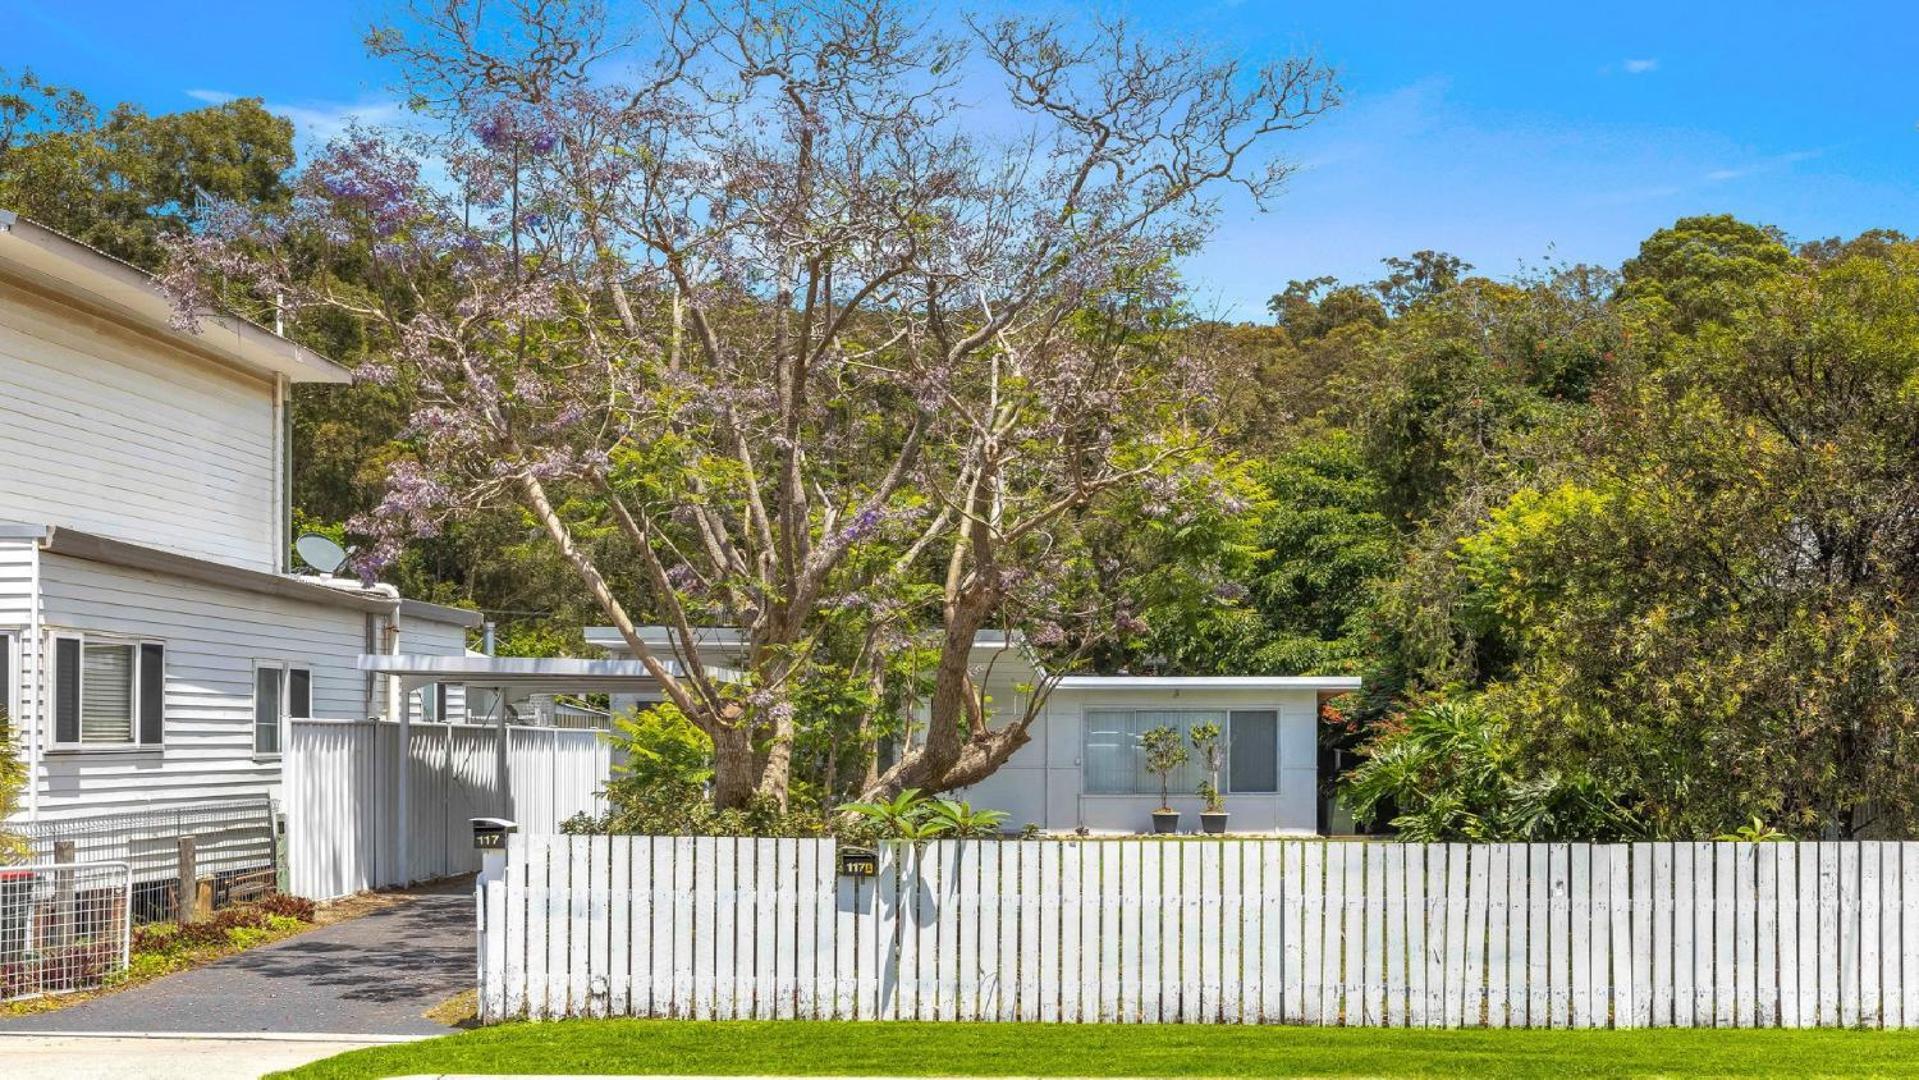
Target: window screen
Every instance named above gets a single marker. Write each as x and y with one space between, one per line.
6 673
66 690
153 693
266 710
106 693
1115 762
1252 754
299 693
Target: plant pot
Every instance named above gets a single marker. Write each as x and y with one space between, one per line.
1165 822
1213 821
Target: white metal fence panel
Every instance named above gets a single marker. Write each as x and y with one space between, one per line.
63 926
232 842
341 791
1200 931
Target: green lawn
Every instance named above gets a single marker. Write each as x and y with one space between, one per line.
918 1049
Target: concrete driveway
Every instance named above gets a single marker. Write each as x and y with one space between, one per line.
371 975
233 1057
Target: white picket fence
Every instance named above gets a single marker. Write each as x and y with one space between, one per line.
1258 931
341 792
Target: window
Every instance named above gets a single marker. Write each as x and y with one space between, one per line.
108 693
1252 751
153 693
269 708
433 703
6 678
1116 765
299 693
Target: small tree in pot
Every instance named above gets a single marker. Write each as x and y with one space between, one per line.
1165 752
1212 757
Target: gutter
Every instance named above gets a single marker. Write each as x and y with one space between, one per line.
442 613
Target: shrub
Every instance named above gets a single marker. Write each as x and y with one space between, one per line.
273 914
292 907
668 810
912 816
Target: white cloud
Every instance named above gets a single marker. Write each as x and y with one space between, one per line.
1778 161
1639 67
322 121
318 122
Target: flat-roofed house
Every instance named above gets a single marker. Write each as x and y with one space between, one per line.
1084 766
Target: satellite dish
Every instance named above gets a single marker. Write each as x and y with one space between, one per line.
320 553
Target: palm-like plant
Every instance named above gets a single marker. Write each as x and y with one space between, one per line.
910 815
960 819
13 780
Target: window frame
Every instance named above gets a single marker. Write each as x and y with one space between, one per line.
1226 773
305 670
431 700
137 673
10 674
281 709
1226 746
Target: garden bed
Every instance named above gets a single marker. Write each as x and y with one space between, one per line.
163 948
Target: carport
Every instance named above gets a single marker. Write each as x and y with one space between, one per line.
509 679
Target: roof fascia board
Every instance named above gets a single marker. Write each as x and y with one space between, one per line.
442 613
1209 682
68 270
101 549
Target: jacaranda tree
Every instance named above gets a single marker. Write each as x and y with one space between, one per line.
837 323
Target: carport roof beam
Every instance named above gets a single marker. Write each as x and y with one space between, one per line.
529 674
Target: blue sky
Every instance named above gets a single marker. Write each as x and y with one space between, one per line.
1505 133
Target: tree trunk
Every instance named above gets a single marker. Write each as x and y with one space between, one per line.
735 775
975 761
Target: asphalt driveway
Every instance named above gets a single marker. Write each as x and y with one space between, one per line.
371 975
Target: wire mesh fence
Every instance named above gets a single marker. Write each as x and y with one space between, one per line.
63 927
230 844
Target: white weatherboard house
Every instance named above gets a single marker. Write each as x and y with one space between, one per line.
1084 767
155 647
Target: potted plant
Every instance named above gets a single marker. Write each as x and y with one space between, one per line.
1212 757
1165 752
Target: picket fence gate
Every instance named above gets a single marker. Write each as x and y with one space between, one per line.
1234 931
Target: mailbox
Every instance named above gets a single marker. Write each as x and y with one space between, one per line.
859 862
490 833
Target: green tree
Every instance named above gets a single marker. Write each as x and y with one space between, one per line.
1451 399
1713 616
1701 268
1301 603
120 179
1417 277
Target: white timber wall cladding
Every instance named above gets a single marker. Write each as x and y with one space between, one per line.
1137 931
113 432
342 797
